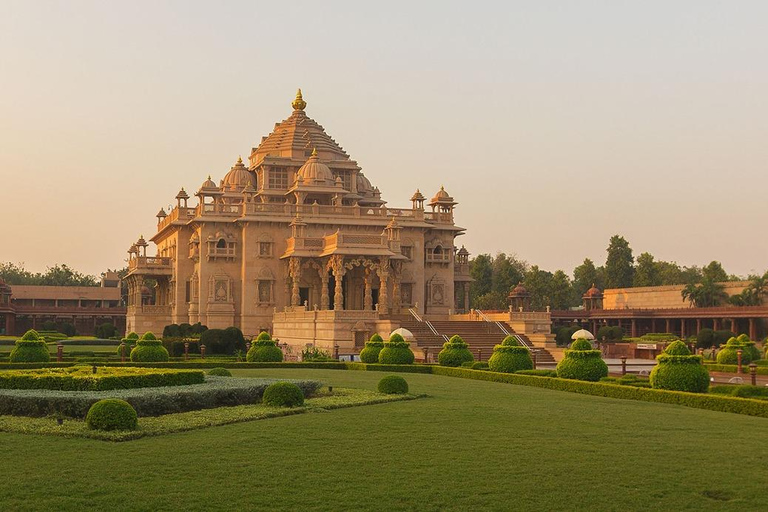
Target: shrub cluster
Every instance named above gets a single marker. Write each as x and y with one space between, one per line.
610 333
222 341
628 380
749 346
582 363
510 357
396 351
149 349
707 338
215 392
111 414
106 331
30 349
729 353
393 385
82 378
184 330
264 349
678 370
314 354
455 352
283 394
370 354
743 391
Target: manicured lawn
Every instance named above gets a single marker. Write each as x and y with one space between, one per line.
473 445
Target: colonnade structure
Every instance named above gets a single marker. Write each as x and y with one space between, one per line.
299 242
660 309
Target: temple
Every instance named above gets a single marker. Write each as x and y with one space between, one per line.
298 242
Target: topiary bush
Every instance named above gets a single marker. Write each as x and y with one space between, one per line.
729 353
396 351
510 357
678 370
370 354
393 385
149 349
749 346
223 341
30 349
220 372
582 363
455 352
283 394
264 350
111 414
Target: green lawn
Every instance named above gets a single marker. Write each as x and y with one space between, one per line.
473 445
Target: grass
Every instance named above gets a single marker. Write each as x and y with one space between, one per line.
472 445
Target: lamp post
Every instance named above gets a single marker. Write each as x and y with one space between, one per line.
623 365
186 351
122 352
739 352
753 373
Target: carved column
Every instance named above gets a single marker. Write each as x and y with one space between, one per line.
368 296
294 269
466 297
396 294
325 299
337 265
383 276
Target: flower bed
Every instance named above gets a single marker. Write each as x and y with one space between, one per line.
82 378
215 392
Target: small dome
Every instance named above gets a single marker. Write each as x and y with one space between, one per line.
417 196
141 242
133 249
364 184
519 291
464 252
208 184
442 197
182 194
238 177
314 171
594 292
161 214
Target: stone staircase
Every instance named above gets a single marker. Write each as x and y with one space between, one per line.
481 337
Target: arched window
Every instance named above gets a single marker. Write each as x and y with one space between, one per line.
221 244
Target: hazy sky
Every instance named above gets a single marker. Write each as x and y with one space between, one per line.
554 124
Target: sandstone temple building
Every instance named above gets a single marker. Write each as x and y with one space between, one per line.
298 241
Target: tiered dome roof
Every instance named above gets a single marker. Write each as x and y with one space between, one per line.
315 172
238 177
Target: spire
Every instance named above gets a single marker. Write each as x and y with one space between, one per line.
299 103
314 151
239 159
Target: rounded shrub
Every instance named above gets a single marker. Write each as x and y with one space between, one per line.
678 370
264 350
370 354
396 351
749 346
729 353
283 394
149 349
30 349
455 352
582 363
393 385
111 414
220 372
510 357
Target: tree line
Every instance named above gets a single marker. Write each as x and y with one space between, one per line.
57 275
495 276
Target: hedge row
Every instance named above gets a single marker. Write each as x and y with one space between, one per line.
216 392
732 368
697 400
405 368
82 379
202 364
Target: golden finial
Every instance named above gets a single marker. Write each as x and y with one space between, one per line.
314 151
299 103
240 159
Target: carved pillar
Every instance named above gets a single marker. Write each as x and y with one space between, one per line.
294 269
368 296
325 299
466 297
383 276
752 329
337 265
396 293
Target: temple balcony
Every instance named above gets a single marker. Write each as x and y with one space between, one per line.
150 266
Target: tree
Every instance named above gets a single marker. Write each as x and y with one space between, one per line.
507 271
646 271
668 272
714 272
618 265
586 275
706 294
538 283
561 295
481 271
58 275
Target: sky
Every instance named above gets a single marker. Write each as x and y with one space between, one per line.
554 124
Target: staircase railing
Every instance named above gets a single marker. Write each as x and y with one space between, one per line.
434 331
503 329
415 315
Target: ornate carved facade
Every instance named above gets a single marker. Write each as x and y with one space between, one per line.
300 228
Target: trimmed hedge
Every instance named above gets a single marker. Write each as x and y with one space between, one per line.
82 378
748 406
455 352
30 349
264 349
149 349
729 353
393 385
220 372
402 368
370 354
582 363
678 370
510 357
283 394
112 414
396 351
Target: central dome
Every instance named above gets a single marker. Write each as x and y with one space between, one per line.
315 171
